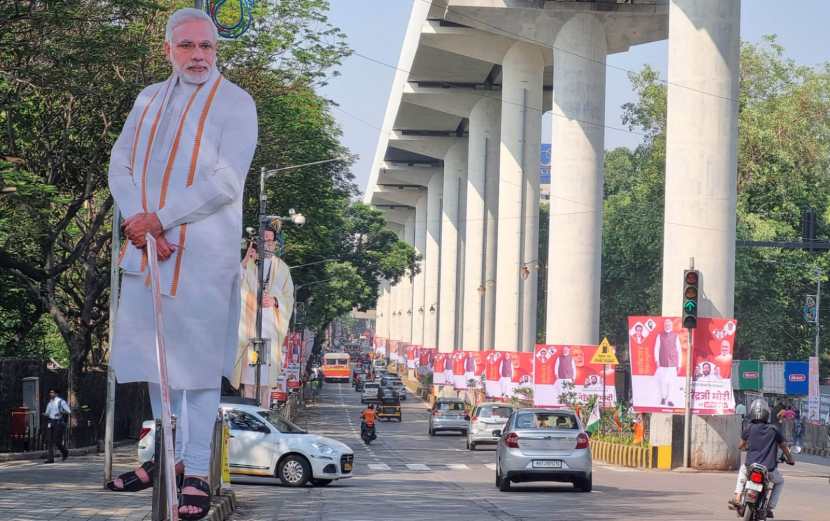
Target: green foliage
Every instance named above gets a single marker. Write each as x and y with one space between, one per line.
783 159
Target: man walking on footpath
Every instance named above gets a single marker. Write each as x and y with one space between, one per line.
57 411
177 171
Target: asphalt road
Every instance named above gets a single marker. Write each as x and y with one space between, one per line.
408 475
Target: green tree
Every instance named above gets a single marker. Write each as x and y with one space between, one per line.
784 154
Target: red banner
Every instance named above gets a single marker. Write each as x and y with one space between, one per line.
659 346
565 374
439 376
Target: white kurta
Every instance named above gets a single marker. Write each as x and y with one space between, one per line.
183 153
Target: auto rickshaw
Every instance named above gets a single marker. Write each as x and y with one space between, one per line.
389 406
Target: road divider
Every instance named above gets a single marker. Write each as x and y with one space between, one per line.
624 455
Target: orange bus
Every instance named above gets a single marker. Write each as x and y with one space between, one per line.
336 367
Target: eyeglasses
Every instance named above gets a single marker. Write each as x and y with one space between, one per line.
190 46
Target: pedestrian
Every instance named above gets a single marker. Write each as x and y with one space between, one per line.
177 171
57 412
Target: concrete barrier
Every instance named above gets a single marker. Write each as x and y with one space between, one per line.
624 455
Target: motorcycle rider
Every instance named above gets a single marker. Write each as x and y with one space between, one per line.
762 441
367 419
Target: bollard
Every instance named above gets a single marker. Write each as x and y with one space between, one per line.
215 477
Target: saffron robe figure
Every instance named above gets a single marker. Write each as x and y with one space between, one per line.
277 306
177 171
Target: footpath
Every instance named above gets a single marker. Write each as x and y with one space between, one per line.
72 490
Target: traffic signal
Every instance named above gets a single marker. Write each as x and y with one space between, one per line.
691 285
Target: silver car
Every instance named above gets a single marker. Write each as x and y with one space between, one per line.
448 414
486 418
370 392
543 445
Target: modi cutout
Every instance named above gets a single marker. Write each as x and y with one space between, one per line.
177 171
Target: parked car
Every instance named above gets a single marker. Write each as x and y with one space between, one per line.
370 392
543 445
264 444
448 414
486 418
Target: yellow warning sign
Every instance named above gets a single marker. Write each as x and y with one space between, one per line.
605 354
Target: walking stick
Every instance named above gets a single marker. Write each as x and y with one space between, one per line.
168 456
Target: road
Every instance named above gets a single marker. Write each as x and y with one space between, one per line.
408 475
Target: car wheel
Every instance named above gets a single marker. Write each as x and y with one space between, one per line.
498 477
584 484
294 471
321 482
504 483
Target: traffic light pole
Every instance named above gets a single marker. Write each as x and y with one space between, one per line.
687 424
818 309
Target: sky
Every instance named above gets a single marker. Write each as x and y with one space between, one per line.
375 28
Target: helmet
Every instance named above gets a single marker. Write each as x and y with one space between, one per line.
759 411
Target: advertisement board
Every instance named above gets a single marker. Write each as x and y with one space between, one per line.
748 375
504 371
814 392
467 369
658 350
439 376
796 378
564 374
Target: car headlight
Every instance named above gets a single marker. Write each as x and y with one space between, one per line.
322 448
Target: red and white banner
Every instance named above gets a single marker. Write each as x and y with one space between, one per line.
292 361
659 347
497 371
564 374
439 376
467 369
411 356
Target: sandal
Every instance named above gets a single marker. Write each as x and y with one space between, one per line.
189 500
131 482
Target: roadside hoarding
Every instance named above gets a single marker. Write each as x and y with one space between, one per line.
467 368
658 348
796 378
814 393
747 375
773 378
411 356
504 371
564 374
494 367
439 376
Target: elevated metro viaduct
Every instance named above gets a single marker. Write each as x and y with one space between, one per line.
456 169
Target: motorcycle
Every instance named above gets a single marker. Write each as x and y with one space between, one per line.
367 433
758 490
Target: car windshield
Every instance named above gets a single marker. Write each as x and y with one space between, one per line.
494 411
449 406
546 421
281 424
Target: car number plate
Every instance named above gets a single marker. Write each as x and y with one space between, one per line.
547 464
754 486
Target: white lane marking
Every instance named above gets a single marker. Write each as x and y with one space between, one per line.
417 466
379 466
458 466
491 466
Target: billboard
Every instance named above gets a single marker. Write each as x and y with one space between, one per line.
439 376
564 374
658 349
796 378
748 377
467 369
504 371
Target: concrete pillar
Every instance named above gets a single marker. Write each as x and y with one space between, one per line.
418 307
482 178
701 175
397 296
409 311
432 261
575 241
455 169
522 71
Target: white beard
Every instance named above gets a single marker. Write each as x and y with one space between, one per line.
196 79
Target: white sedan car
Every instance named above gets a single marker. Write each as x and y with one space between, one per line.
263 444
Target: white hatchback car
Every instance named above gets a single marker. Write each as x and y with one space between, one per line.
263 444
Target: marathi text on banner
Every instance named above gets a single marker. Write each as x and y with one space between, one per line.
658 349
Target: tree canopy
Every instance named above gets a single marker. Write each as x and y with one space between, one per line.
69 73
783 159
